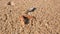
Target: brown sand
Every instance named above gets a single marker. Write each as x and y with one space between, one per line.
47 16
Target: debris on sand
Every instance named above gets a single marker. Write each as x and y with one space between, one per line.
32 9
24 19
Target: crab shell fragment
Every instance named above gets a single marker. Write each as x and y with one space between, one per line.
22 19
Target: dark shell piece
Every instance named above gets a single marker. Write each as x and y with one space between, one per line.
26 20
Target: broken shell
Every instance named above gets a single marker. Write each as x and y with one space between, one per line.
24 19
31 9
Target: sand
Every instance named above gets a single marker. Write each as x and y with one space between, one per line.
47 17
